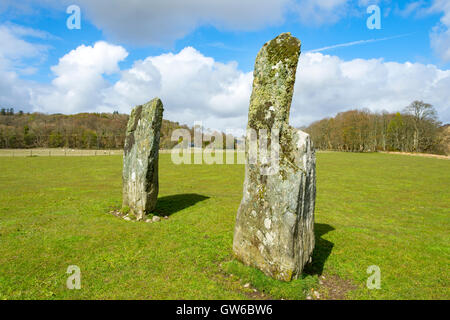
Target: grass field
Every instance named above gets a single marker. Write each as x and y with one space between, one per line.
392 211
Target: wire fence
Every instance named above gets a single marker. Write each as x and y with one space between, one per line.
61 152
57 152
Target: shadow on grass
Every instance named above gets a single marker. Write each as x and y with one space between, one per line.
321 251
295 289
171 204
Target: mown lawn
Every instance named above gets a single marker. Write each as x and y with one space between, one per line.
392 211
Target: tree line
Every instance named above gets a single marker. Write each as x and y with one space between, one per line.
78 131
414 129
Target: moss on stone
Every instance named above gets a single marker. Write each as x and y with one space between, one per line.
283 48
273 246
140 164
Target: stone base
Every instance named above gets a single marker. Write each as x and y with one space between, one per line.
275 222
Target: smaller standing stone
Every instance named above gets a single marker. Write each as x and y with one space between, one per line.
140 158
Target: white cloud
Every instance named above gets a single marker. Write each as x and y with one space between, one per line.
440 42
320 12
442 6
191 81
194 87
326 85
440 35
79 79
160 22
13 47
14 92
414 7
136 86
17 57
22 31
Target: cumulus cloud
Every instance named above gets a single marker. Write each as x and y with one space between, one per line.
194 87
327 85
79 78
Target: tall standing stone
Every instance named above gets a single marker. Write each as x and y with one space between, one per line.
274 229
140 158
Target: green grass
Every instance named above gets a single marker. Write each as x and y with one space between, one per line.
372 209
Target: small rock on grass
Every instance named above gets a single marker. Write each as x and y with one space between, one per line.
148 220
247 285
156 219
127 218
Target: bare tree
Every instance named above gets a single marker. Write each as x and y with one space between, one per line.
415 129
421 112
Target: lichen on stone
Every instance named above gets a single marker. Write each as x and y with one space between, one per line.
285 200
140 160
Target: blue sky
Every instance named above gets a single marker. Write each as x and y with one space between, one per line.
411 62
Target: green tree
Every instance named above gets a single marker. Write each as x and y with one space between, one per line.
395 130
56 140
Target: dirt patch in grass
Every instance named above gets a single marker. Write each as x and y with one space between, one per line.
256 295
428 155
333 287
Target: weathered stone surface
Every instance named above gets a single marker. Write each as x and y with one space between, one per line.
275 222
140 158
